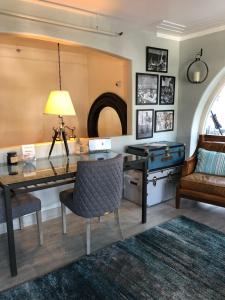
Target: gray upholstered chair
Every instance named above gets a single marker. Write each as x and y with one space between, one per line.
97 190
23 204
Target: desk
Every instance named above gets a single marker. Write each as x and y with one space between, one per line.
47 173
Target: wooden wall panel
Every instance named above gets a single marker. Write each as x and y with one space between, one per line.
29 71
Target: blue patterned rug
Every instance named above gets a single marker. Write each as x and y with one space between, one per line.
180 259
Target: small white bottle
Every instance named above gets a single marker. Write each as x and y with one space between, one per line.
77 146
81 147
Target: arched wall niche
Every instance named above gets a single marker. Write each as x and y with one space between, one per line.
203 107
86 74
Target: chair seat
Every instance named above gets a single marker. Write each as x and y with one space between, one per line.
22 204
66 197
200 182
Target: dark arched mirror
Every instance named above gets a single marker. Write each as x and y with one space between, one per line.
107 107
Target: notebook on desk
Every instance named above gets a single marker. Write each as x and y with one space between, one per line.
99 145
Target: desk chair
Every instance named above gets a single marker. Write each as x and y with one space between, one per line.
23 204
97 190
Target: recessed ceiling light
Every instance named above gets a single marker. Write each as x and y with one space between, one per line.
169 29
174 24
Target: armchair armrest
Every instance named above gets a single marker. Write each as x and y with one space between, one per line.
189 165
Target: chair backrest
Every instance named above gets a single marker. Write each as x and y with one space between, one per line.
98 186
212 142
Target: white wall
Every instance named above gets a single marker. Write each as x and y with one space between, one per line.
193 97
132 45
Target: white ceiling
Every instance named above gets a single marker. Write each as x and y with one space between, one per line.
194 15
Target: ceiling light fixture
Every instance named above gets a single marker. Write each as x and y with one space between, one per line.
175 24
172 26
198 70
169 29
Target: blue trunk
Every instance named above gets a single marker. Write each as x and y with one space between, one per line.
161 154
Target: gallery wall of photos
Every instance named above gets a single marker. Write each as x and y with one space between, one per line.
154 89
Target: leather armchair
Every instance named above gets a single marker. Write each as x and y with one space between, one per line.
200 186
189 165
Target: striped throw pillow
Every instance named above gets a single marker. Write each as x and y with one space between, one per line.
210 162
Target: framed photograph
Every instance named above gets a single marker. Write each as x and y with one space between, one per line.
156 60
144 123
167 90
164 120
146 88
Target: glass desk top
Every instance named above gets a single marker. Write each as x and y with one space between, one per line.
54 167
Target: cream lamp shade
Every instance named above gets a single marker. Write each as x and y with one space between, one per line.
59 103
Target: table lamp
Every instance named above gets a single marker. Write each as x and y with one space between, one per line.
59 103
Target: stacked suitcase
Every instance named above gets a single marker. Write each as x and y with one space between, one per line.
164 165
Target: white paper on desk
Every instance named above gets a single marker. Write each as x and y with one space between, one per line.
28 152
99 144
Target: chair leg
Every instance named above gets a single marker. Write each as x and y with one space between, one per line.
63 209
100 219
117 219
40 227
21 223
88 237
177 200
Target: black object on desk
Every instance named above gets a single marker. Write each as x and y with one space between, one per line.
57 137
12 169
12 158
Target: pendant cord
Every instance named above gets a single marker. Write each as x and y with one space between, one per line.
60 83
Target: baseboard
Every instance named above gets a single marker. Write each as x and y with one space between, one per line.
29 220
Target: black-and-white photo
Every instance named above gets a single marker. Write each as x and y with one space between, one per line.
144 123
146 88
156 60
167 90
164 120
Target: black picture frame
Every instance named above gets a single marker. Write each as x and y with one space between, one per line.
144 123
167 90
147 86
156 60
164 120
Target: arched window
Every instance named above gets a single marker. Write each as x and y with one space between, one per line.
216 112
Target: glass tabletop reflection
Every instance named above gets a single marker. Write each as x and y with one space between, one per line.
52 167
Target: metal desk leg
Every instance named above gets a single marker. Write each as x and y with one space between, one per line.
10 232
144 191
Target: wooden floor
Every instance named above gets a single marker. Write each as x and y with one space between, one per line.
59 249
